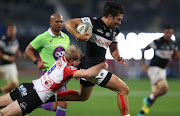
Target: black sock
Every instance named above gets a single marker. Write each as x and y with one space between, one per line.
151 101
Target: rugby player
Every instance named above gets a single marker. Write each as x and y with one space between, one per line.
104 35
164 50
28 96
51 46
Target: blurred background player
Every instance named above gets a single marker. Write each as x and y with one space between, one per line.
28 96
51 46
104 34
9 47
164 50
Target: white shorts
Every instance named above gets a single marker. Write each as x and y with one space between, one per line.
9 72
101 79
156 73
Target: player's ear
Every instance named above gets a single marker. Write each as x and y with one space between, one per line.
71 61
110 17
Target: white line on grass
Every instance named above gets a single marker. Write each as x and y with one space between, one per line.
133 93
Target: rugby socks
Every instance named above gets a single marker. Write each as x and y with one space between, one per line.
151 98
123 104
47 106
61 111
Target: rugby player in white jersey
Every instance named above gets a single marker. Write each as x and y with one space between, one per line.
165 49
105 31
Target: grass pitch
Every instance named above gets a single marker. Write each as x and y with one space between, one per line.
103 101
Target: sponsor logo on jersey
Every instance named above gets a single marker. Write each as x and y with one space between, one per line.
58 52
51 69
100 31
22 90
108 34
51 40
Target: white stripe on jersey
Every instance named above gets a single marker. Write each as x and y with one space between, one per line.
100 41
164 54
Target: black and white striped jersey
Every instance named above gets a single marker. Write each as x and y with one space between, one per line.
96 47
9 47
163 52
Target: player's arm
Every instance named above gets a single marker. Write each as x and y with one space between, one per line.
90 72
115 53
7 57
30 54
144 66
71 26
176 55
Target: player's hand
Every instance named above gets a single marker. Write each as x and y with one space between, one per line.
145 68
11 59
122 61
83 37
41 65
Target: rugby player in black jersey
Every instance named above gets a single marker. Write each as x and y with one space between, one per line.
104 34
164 50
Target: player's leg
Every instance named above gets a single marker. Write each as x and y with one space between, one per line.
13 109
71 95
11 75
61 106
5 100
117 85
159 86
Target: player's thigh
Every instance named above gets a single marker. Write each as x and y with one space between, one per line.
85 92
5 100
12 109
116 84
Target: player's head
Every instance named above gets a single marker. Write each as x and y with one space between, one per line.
56 22
113 11
11 30
168 32
73 55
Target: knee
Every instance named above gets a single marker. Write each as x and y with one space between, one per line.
124 89
62 103
84 98
165 89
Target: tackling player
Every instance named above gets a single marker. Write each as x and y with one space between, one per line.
28 96
51 46
105 31
165 49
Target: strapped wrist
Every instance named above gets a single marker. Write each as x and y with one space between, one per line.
35 62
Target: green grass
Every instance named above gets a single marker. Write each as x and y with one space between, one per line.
103 101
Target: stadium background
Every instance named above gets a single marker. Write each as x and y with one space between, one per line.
150 16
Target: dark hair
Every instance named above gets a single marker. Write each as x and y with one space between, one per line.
113 8
11 24
168 27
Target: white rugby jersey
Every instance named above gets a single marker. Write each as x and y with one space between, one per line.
9 47
56 77
102 37
163 52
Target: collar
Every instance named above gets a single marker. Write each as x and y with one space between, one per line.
52 34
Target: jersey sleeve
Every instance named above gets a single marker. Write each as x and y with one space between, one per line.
153 44
2 44
37 42
69 71
87 19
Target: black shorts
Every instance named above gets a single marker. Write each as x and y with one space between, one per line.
27 97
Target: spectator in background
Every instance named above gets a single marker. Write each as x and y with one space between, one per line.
51 46
165 49
9 47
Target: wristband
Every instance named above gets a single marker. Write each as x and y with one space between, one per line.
35 62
